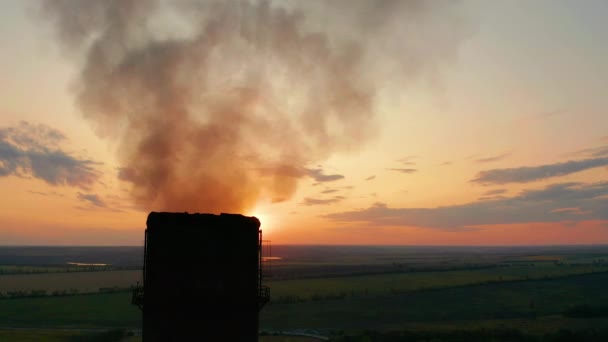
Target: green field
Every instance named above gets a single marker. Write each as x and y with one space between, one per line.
476 305
82 311
63 336
37 336
527 291
409 281
82 281
393 280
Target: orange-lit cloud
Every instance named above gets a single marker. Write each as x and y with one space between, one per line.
538 205
527 174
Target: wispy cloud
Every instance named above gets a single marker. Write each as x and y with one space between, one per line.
526 174
320 201
42 193
93 199
319 175
446 163
538 205
493 158
408 160
495 192
370 178
542 116
406 171
550 114
595 152
576 211
329 191
33 150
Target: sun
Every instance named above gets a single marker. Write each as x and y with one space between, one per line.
266 222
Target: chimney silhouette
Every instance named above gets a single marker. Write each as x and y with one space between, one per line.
202 278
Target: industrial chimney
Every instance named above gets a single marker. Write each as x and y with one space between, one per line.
202 278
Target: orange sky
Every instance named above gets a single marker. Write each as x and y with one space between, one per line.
496 136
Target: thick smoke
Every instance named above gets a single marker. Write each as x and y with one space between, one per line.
214 105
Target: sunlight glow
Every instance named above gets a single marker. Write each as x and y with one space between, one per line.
266 222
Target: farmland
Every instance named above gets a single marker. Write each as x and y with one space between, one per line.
534 306
344 291
82 282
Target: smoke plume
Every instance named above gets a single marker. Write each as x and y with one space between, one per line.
214 105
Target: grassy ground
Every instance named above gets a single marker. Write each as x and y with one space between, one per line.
479 303
83 311
529 294
287 339
399 282
515 303
83 281
36 336
62 336
307 288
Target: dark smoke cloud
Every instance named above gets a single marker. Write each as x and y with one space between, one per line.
202 96
31 150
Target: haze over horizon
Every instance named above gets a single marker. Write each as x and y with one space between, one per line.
406 123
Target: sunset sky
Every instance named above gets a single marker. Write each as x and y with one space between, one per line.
456 123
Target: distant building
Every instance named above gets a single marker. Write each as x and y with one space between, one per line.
202 278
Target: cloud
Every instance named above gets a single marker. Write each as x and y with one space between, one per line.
406 171
33 150
490 198
319 176
576 211
285 171
594 152
539 205
543 115
446 163
495 192
493 158
93 199
370 178
407 160
550 114
42 193
329 191
526 174
317 201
